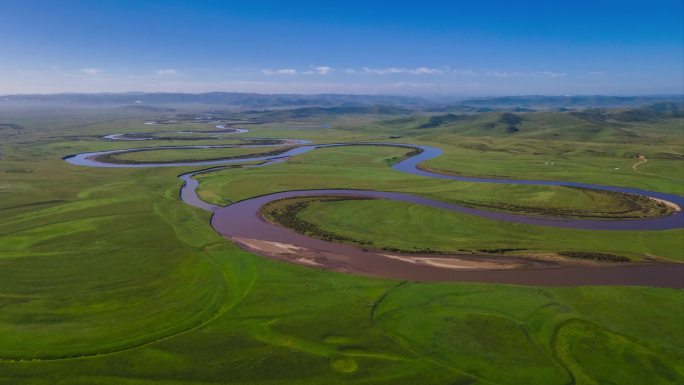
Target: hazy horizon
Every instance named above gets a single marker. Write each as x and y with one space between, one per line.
426 96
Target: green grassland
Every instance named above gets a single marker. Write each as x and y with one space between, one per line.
107 278
365 167
412 227
189 155
553 146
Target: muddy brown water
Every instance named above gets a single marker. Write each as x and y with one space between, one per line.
243 223
242 220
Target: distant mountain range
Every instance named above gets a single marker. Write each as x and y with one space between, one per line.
570 102
232 99
287 101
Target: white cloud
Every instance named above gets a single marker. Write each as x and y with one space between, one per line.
515 74
549 74
400 70
323 70
167 72
426 71
383 71
319 70
90 71
282 71
411 71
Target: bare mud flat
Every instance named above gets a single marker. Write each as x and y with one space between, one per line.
470 262
672 205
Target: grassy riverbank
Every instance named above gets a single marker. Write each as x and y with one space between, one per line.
409 227
367 167
170 155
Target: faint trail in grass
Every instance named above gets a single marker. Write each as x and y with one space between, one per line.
672 150
384 295
642 160
428 356
575 371
554 356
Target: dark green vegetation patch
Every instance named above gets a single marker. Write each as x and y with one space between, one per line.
593 255
285 212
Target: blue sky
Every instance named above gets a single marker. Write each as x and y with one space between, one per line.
376 47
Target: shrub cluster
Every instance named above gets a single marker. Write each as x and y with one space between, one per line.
594 255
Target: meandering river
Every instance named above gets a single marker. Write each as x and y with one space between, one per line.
242 222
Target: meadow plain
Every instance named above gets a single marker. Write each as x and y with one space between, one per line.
106 277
